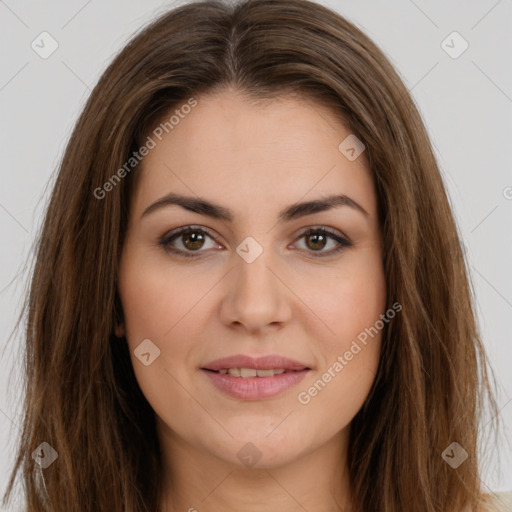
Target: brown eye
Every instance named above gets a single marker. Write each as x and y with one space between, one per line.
316 241
187 241
193 240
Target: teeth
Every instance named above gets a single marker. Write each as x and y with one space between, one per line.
265 373
248 372
251 372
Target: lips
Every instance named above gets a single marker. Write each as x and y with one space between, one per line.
248 378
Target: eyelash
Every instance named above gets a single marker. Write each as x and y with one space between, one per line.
170 237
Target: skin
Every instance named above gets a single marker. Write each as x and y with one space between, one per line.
255 160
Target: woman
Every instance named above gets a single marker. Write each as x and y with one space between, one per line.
249 292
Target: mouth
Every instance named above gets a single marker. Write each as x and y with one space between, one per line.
247 378
245 373
240 362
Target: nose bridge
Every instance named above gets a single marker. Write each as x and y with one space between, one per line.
252 273
255 297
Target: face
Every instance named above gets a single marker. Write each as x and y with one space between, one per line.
255 280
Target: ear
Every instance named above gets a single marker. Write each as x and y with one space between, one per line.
120 331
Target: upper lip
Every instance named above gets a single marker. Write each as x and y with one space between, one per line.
268 362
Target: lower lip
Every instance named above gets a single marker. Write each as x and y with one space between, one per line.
255 388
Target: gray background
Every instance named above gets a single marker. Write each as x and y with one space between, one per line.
466 103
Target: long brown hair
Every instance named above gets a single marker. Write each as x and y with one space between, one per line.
82 397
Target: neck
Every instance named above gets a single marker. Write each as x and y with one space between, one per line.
197 481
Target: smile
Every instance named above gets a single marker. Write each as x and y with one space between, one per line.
248 377
254 387
251 372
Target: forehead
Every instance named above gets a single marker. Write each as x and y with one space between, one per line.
275 150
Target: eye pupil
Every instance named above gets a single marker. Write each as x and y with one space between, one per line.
194 239
316 236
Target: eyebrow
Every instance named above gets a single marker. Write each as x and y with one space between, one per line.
294 211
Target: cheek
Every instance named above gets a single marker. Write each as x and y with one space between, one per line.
347 300
349 361
350 306
155 298
162 304
155 305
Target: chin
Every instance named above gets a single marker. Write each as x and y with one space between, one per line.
257 449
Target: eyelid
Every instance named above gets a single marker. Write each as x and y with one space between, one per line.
326 229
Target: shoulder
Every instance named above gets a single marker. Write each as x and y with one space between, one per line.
498 502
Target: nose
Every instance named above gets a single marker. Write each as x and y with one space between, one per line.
256 296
